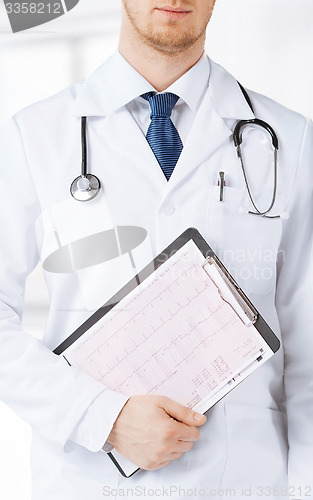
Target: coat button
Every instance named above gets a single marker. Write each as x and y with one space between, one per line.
169 210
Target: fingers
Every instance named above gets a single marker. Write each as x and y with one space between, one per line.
186 433
183 446
182 413
152 431
174 456
158 466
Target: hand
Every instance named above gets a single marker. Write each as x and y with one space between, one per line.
151 431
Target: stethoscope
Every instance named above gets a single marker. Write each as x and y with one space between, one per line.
86 186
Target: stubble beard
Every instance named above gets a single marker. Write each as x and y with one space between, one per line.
166 41
171 44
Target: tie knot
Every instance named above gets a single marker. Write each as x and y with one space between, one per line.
161 104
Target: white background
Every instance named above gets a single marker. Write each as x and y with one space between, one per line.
266 44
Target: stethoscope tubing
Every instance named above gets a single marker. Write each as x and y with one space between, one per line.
237 138
237 135
257 211
84 146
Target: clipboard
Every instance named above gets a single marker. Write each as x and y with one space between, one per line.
190 265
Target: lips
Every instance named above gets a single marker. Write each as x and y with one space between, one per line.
173 13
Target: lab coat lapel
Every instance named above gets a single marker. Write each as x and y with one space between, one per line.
227 97
223 105
208 132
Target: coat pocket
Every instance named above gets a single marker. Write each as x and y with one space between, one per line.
247 244
257 451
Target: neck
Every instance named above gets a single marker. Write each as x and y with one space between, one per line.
158 68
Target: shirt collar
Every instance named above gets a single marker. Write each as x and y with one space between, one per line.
193 84
98 96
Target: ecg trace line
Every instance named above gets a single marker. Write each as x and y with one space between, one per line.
154 332
147 361
137 297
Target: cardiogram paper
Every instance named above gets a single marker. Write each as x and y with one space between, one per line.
173 335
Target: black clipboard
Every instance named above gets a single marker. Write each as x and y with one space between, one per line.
209 256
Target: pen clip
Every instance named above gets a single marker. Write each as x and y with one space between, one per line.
221 184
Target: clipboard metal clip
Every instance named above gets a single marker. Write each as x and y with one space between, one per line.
249 312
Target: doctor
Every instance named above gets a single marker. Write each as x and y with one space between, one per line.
258 441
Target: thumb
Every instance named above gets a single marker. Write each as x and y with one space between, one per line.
183 413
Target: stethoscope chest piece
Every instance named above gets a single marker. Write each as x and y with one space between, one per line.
85 187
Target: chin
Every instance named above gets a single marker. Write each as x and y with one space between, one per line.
169 42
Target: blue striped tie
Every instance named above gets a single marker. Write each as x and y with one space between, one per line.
162 135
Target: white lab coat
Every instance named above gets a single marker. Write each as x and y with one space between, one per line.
260 435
